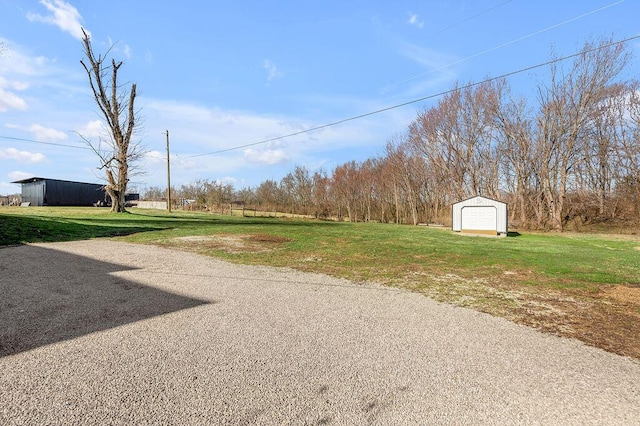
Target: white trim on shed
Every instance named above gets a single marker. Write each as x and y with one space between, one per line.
480 215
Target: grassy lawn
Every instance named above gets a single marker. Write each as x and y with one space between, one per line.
579 285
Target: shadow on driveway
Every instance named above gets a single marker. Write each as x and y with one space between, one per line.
47 296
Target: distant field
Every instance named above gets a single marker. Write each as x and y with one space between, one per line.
578 285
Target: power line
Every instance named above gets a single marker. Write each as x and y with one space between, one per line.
473 17
357 117
44 143
424 98
508 43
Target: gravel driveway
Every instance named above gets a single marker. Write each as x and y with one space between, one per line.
106 332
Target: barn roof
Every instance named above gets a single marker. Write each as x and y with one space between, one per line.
38 179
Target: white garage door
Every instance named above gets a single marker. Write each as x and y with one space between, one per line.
480 218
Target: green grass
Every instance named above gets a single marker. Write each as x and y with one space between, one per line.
560 283
377 252
40 224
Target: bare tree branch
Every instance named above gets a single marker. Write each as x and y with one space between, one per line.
117 109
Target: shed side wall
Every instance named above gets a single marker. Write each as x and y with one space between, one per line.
456 217
502 218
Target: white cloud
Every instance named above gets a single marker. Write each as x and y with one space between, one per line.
182 162
18 175
13 84
93 129
427 57
9 100
439 71
158 160
20 85
413 20
117 47
7 188
272 70
63 15
43 134
196 130
210 129
266 156
226 180
21 72
21 156
155 156
17 64
47 134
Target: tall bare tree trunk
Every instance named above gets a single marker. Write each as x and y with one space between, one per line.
117 109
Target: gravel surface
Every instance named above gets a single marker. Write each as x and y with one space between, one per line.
112 333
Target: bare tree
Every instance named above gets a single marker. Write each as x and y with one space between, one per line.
574 154
116 105
218 194
195 191
247 197
302 189
567 106
429 138
405 180
628 172
342 189
321 196
267 195
383 189
603 147
154 193
514 135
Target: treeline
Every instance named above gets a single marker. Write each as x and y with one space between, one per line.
570 155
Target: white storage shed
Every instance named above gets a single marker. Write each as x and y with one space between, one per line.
480 215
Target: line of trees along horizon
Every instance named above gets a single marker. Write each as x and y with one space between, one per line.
571 155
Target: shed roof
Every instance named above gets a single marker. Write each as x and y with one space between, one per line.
479 196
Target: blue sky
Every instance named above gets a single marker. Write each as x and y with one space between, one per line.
219 75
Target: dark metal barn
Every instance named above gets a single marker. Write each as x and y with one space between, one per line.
54 192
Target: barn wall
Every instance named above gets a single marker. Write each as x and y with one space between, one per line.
33 192
65 193
53 192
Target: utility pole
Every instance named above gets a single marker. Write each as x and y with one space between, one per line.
168 176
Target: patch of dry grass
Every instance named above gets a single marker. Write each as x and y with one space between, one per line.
608 318
229 243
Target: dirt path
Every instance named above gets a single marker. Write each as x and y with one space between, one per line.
107 332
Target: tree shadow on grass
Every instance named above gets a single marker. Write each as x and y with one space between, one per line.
50 296
22 229
34 229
